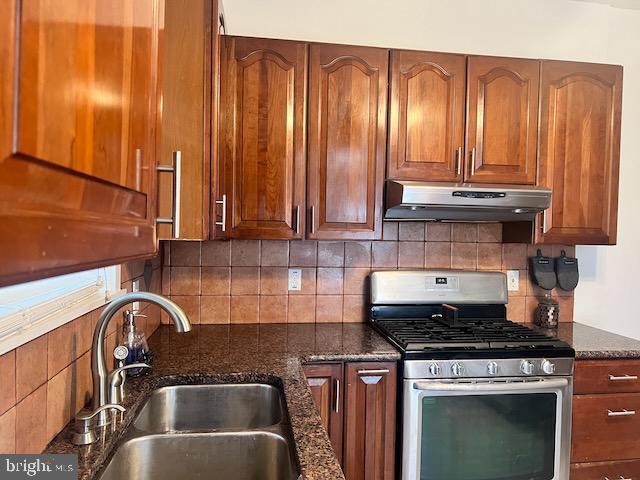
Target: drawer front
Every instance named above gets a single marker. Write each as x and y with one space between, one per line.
605 427
607 376
629 470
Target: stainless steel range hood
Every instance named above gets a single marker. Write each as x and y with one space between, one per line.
410 200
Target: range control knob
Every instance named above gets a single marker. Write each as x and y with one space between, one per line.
548 367
492 368
457 369
434 369
526 367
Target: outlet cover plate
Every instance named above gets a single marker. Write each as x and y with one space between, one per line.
513 280
295 279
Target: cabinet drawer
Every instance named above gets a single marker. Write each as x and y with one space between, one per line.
628 470
605 427
606 376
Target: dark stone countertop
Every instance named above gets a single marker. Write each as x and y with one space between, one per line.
245 353
593 343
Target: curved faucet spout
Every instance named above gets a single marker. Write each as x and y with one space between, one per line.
98 359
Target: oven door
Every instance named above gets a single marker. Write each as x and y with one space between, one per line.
506 429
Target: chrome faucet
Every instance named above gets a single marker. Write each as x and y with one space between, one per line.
98 363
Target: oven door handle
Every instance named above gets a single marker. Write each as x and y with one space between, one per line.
544 384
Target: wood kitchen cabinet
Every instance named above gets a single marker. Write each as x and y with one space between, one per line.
325 382
262 137
502 120
369 421
579 152
605 439
77 134
361 417
426 116
347 141
189 69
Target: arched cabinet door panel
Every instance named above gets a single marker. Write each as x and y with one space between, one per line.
347 138
580 151
502 120
426 116
78 108
262 131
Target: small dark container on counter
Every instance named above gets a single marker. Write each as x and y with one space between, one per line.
547 313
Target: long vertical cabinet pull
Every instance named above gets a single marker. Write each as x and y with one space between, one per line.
336 402
176 170
472 163
459 161
297 219
312 225
223 202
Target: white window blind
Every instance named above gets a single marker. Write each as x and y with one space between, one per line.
31 309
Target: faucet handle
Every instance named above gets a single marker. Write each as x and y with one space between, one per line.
116 381
116 377
84 434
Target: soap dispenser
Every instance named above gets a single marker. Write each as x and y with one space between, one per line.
136 341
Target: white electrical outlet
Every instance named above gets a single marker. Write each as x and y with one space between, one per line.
135 287
513 280
295 279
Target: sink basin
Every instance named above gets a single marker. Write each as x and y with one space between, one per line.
210 407
238 456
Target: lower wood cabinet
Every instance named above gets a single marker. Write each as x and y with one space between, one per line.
627 470
361 417
606 420
325 382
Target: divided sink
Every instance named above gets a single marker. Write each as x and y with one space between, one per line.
210 407
225 431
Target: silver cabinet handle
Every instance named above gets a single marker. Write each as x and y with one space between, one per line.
176 170
223 202
543 227
312 228
619 478
459 161
621 413
380 371
622 378
297 217
473 162
336 403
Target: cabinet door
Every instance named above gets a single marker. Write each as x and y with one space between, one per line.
77 129
347 137
606 470
370 421
605 427
262 125
502 120
186 110
580 151
325 382
426 116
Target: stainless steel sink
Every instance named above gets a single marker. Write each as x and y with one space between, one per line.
237 456
226 431
210 407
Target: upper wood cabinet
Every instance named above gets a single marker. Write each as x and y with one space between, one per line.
426 116
262 137
189 43
580 151
502 120
77 134
347 138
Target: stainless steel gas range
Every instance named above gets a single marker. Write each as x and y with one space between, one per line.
482 398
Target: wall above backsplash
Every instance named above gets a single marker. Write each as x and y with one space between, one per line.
245 281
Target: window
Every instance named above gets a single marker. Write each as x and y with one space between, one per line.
31 309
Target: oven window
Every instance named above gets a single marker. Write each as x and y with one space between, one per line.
488 437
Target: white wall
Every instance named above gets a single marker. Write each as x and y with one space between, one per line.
595 31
